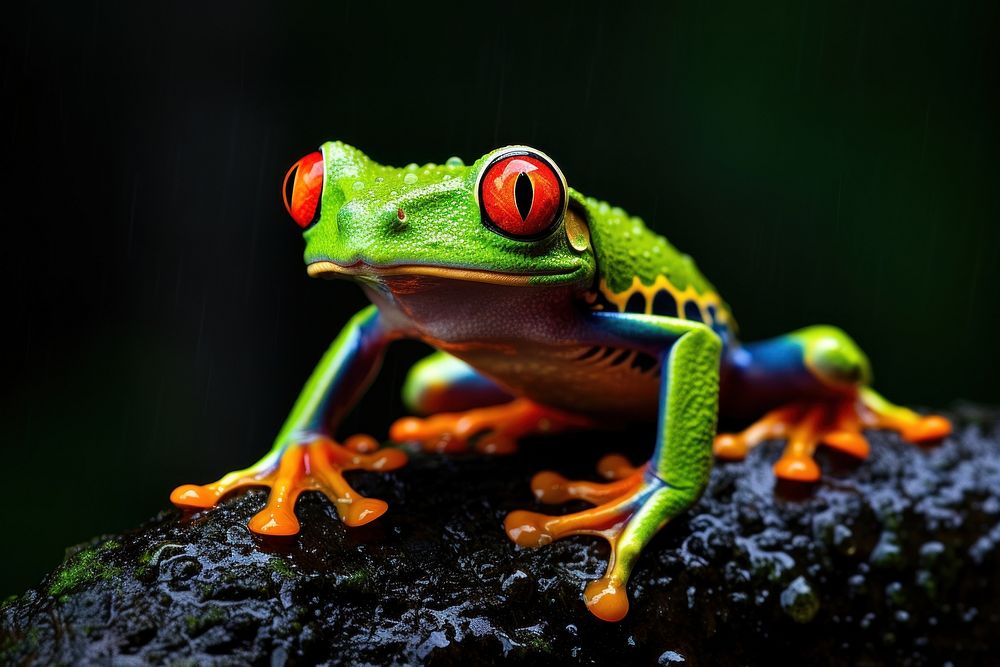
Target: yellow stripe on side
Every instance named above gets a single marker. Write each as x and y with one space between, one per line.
681 297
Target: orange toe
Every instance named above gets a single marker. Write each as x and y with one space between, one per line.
550 487
614 466
849 442
274 522
927 429
384 460
802 469
730 447
496 443
434 434
362 511
527 529
361 443
606 599
406 429
192 496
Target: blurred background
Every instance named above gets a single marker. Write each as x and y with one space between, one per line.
823 161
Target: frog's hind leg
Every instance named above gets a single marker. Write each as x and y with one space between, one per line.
466 407
823 378
441 382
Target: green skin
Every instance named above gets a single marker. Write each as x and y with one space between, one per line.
402 232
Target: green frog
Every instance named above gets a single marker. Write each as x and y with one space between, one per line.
549 311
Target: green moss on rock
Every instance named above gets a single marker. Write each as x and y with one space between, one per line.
84 567
198 624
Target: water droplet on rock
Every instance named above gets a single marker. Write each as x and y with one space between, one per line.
799 601
670 658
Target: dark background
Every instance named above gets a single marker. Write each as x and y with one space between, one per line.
823 162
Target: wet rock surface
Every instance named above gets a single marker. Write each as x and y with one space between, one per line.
890 561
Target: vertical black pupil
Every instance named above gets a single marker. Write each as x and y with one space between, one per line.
290 185
524 193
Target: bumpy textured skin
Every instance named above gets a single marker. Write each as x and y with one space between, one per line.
626 248
599 318
365 200
689 411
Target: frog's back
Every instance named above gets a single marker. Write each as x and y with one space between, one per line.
639 271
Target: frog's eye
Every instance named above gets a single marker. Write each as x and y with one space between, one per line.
302 187
522 194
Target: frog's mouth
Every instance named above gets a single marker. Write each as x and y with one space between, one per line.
326 269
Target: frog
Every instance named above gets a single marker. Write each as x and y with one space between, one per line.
548 312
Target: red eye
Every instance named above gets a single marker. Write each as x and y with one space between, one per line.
522 194
302 188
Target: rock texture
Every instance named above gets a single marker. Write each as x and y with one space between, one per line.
890 561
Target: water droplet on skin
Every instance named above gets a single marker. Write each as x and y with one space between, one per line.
454 161
410 179
359 185
379 179
446 177
393 193
413 166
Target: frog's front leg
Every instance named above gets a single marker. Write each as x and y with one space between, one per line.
633 507
304 456
465 407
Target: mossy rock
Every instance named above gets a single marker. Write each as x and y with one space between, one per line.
893 560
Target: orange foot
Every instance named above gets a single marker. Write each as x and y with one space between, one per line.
630 508
495 430
838 425
317 465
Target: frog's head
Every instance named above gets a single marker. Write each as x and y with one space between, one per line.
508 219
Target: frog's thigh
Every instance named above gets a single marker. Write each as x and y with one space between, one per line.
832 356
443 383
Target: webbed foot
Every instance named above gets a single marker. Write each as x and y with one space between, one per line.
629 510
838 425
314 465
493 430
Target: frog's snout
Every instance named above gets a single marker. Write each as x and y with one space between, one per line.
302 189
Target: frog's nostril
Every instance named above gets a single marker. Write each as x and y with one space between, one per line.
302 189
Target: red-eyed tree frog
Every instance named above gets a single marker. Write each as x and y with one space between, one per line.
549 311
